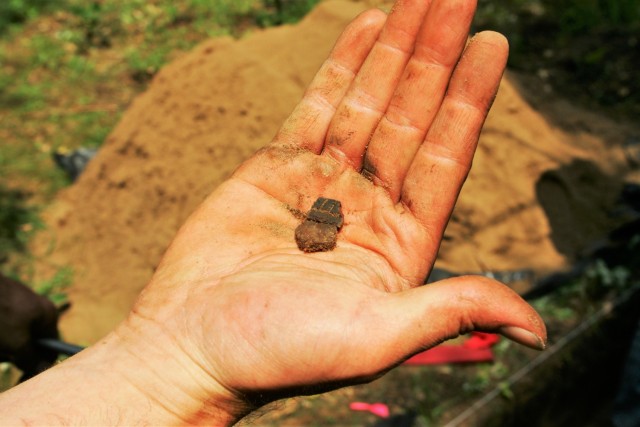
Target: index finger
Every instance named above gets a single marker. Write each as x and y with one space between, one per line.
307 125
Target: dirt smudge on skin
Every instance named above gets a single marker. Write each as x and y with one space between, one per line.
368 168
297 213
277 229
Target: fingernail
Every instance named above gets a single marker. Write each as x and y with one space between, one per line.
524 337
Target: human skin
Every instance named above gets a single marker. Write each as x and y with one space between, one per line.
236 316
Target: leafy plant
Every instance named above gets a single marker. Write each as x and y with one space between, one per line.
144 65
224 13
600 278
98 23
16 11
485 375
47 52
17 221
576 16
278 12
54 288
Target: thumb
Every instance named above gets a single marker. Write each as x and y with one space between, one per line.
436 312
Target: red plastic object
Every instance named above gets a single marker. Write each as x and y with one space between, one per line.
475 349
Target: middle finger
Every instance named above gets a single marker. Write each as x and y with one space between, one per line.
419 94
366 100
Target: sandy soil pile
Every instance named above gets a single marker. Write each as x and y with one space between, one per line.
213 107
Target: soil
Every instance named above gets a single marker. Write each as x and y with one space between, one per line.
542 190
545 178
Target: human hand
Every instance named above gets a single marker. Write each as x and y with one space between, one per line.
24 317
388 127
237 316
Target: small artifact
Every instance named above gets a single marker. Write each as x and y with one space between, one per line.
319 231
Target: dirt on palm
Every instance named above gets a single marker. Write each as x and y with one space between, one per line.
541 190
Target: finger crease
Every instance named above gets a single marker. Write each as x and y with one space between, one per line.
321 101
361 106
462 102
429 59
441 154
403 52
334 63
408 124
338 155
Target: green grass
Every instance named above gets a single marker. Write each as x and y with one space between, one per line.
277 12
69 69
54 287
63 64
17 222
15 12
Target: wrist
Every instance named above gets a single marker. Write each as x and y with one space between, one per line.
132 376
175 383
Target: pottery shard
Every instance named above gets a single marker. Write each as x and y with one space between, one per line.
319 231
326 211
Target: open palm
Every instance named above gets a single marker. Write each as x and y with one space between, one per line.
388 127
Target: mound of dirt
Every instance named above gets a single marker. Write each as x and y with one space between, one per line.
212 108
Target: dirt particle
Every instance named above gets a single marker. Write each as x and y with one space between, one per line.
297 213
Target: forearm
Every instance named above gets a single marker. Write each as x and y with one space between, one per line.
116 383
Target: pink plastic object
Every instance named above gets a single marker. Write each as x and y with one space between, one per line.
379 409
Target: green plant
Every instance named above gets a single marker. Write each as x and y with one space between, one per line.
505 390
145 64
98 24
599 277
485 375
478 382
61 82
278 12
550 308
17 221
576 16
24 96
222 12
17 11
47 52
54 288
